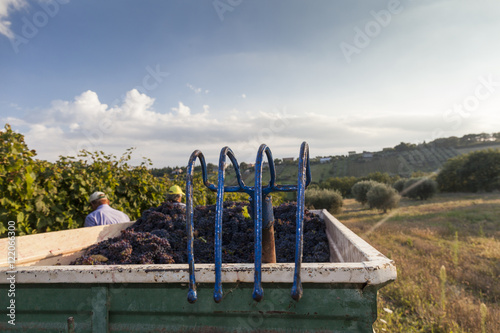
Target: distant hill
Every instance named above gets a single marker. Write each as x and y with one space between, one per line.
402 160
402 163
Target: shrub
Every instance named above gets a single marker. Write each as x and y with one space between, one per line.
420 188
481 171
399 185
449 178
383 197
324 199
360 189
476 171
380 177
342 184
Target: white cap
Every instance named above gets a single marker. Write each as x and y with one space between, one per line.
96 196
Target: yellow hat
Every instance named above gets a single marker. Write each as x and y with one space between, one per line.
175 190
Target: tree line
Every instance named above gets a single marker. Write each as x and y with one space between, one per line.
44 196
477 171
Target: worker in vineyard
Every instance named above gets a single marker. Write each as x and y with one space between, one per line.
174 195
102 213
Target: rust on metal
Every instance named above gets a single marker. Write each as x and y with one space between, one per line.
268 248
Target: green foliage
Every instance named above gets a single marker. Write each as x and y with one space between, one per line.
420 188
380 177
345 184
403 146
161 172
382 197
204 196
341 184
451 141
42 196
360 190
313 186
330 200
473 172
399 185
450 178
17 175
481 171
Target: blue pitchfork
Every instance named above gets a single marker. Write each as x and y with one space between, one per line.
262 214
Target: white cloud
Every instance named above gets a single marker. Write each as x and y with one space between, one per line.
182 110
243 95
74 127
86 123
196 89
193 88
169 138
7 6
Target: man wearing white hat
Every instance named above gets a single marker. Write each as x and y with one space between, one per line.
103 214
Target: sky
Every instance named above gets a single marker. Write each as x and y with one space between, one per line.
170 77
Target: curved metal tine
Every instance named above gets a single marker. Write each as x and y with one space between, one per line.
192 295
204 172
301 185
258 292
241 183
308 165
218 222
272 170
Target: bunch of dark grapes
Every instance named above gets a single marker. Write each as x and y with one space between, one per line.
159 237
315 243
129 248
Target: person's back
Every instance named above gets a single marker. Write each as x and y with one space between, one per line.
103 214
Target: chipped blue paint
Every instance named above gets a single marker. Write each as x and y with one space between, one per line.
299 233
192 295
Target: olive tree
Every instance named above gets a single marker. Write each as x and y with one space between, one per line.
360 190
383 197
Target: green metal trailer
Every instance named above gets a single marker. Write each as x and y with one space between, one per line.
51 296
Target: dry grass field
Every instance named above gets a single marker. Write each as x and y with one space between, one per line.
447 253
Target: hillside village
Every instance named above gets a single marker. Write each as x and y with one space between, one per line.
403 160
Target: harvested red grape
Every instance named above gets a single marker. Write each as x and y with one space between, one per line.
159 237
